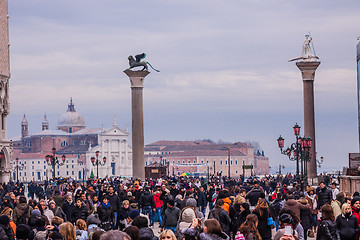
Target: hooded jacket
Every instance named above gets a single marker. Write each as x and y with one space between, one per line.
295 206
19 210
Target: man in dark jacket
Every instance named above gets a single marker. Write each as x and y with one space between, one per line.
324 195
254 194
171 216
22 212
68 208
115 204
201 200
148 204
59 200
80 211
106 214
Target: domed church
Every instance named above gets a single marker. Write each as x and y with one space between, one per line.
79 144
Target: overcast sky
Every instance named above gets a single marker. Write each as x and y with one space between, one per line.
224 68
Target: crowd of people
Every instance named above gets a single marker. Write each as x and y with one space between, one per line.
185 208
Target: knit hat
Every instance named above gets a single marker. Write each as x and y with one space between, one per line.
354 200
4 220
36 212
52 201
93 219
22 231
133 214
129 194
191 202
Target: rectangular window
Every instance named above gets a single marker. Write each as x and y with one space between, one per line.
67 172
32 173
39 176
72 173
220 162
44 167
25 174
113 168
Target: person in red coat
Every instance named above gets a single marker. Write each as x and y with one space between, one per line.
355 206
158 206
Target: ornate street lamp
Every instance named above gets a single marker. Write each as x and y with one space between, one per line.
52 160
298 151
96 162
18 167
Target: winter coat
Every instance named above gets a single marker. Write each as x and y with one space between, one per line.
115 203
237 217
59 200
201 201
209 236
263 228
336 206
158 202
171 217
58 212
348 227
295 206
306 219
223 218
19 211
356 212
324 196
68 209
3 235
8 231
327 231
80 213
106 213
147 199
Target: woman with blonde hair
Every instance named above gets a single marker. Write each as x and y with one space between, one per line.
81 229
167 234
67 231
346 223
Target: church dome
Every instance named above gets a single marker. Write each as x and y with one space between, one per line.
71 118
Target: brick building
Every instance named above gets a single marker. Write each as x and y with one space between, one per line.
201 157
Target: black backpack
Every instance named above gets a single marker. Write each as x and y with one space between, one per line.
275 208
22 218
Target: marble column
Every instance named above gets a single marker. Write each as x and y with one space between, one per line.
137 80
308 69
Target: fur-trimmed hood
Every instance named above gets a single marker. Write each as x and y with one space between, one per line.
209 236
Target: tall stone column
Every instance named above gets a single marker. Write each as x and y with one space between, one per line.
137 80
308 69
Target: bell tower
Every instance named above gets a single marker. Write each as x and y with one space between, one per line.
6 149
45 124
24 127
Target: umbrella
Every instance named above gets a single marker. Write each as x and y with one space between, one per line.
185 174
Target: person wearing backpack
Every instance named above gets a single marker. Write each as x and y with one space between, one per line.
275 208
22 212
221 216
93 223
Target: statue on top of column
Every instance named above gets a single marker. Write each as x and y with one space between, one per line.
308 51
136 62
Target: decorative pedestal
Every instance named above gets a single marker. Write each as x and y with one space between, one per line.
308 69
137 80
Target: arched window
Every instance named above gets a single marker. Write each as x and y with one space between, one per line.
64 143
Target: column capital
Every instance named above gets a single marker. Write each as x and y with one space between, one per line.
136 77
308 69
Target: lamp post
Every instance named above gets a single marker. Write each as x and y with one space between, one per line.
17 168
52 160
96 162
298 151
